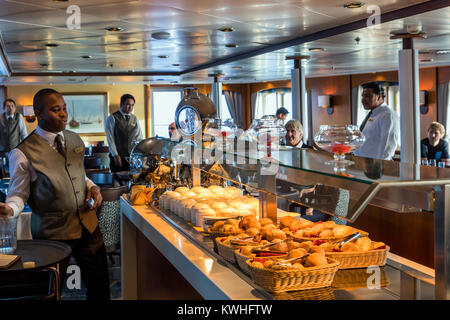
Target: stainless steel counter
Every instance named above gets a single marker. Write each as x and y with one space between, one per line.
191 253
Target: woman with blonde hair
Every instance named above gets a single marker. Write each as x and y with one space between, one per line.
434 146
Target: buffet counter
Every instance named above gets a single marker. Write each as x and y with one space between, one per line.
164 257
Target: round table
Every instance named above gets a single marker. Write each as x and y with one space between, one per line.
46 255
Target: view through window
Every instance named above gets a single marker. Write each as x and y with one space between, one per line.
164 103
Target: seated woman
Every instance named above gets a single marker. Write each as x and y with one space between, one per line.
294 134
434 147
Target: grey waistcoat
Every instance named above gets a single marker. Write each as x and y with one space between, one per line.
57 196
124 132
9 133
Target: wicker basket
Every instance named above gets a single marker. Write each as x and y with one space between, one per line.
358 278
215 235
226 251
326 293
241 260
350 260
292 279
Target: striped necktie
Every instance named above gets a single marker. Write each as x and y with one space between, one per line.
60 145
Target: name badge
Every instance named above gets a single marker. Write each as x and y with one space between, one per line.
79 150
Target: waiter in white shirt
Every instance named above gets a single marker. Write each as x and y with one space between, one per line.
47 171
122 129
381 127
12 127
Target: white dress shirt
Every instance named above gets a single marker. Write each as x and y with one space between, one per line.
22 128
382 132
109 129
22 173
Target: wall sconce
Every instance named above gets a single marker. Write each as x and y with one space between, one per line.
423 101
28 113
326 102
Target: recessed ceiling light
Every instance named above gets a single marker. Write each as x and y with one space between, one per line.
442 51
44 64
231 45
163 57
236 67
51 45
426 60
316 49
114 29
353 5
161 35
86 57
226 29
176 64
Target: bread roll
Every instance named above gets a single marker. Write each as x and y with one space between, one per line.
306 245
286 221
316 260
216 189
296 253
295 225
363 244
256 264
349 247
327 233
282 246
342 231
293 245
317 229
305 223
245 222
329 224
225 212
276 234
252 232
317 249
327 246
233 222
216 226
265 221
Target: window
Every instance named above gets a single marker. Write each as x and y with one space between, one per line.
268 101
447 120
164 103
224 111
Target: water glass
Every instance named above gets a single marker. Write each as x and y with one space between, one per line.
441 164
432 162
8 235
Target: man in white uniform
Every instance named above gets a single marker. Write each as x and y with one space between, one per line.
381 127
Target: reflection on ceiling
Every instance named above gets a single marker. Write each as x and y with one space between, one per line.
157 41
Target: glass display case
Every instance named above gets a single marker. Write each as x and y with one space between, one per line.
299 178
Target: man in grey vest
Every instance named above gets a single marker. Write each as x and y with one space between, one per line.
12 127
47 171
122 129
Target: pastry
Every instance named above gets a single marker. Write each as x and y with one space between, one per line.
316 260
296 253
265 221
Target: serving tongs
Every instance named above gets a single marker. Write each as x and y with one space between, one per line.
243 241
268 245
284 263
348 239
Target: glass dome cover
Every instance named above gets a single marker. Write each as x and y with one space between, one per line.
266 131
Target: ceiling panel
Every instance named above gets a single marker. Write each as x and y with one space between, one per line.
194 38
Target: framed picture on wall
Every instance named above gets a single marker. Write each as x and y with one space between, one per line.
87 112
